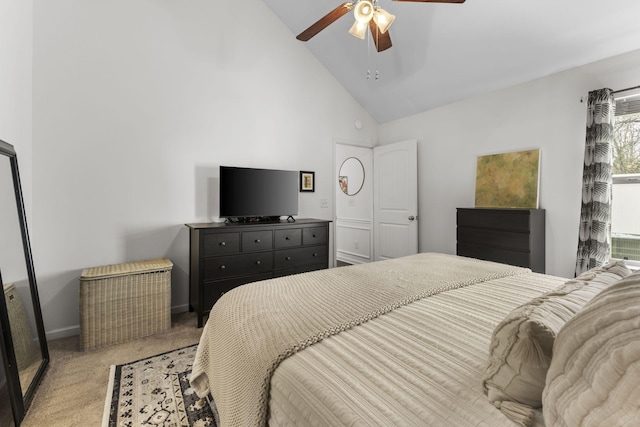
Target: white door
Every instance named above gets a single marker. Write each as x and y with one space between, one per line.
395 201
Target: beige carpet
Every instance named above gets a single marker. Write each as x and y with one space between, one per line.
74 387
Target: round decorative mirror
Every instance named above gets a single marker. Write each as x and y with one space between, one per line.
351 176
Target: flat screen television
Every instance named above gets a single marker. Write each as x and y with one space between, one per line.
257 194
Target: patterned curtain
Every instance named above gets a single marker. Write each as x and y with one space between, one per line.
594 243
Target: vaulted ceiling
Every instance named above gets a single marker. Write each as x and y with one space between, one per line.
446 52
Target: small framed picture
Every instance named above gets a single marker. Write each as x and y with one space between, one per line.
307 181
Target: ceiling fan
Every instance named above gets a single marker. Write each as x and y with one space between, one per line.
367 14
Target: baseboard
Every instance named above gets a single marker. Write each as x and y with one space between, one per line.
75 330
63 332
351 258
179 308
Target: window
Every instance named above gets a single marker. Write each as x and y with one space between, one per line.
625 220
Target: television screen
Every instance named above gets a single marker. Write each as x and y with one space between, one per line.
254 193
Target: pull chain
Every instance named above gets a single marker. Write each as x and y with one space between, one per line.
368 56
377 72
376 65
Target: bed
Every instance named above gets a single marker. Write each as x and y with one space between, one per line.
429 339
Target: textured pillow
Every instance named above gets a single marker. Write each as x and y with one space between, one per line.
521 345
594 377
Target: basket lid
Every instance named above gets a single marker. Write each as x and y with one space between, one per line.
112 270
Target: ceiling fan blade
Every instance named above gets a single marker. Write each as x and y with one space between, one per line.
433 1
325 21
382 40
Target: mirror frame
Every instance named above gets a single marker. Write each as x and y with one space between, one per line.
20 401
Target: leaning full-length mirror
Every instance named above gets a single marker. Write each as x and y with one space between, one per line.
24 353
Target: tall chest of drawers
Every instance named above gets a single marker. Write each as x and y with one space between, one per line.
509 236
223 256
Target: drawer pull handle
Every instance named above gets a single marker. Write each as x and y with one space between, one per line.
315 235
258 262
222 267
315 254
257 240
287 238
288 258
223 244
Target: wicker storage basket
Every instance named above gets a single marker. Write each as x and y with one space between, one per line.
123 302
23 344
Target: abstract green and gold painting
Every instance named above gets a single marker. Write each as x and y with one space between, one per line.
508 180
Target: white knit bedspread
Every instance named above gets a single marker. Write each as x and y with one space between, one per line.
253 328
419 365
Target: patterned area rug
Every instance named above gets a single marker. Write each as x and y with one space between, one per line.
155 392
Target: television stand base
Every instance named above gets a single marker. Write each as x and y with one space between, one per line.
256 219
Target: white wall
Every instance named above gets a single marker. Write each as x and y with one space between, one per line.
16 50
546 114
15 128
354 214
137 103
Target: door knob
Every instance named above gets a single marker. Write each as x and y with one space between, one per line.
411 218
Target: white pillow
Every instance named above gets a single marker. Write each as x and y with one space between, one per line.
521 345
594 377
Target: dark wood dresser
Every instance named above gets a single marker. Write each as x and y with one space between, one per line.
225 255
509 236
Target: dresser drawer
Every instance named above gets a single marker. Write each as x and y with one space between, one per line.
505 256
298 270
215 289
237 265
494 238
514 220
253 241
288 238
314 236
221 243
292 258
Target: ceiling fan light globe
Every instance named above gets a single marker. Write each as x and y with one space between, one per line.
358 29
383 19
363 11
